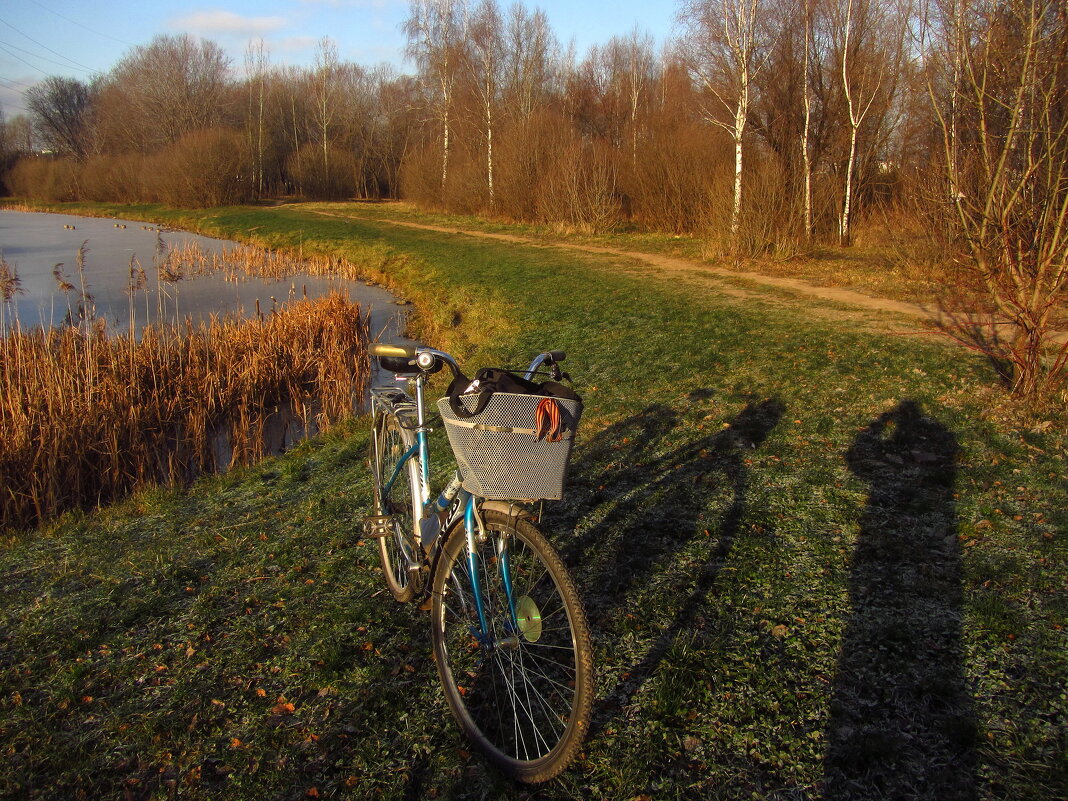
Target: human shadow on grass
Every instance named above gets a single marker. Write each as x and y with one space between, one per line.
901 722
661 497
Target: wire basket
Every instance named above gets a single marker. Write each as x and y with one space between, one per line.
498 452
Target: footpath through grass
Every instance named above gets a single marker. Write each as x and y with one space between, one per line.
813 568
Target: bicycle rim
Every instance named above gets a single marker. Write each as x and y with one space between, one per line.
523 692
395 551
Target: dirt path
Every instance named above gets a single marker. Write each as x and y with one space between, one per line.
661 263
927 317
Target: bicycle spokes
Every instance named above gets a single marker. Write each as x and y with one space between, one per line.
518 674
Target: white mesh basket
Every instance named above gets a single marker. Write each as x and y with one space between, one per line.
498 453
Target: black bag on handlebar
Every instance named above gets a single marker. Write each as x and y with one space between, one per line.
489 380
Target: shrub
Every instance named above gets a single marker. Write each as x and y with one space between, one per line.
315 178
205 168
45 178
113 178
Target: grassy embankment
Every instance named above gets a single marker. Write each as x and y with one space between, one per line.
813 567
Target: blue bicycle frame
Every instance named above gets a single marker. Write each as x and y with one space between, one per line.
454 494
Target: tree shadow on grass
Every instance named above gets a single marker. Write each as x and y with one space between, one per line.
667 515
901 721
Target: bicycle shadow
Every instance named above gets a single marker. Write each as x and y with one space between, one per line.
662 502
901 722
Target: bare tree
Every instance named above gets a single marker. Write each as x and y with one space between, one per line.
999 88
531 49
727 42
163 90
868 37
806 130
20 135
6 156
484 63
435 35
860 92
61 108
257 65
631 71
786 112
325 95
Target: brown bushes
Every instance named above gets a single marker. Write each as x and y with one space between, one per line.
115 179
332 177
579 190
204 168
45 178
85 419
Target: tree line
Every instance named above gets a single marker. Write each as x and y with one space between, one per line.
763 120
765 126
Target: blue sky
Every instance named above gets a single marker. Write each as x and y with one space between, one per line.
77 38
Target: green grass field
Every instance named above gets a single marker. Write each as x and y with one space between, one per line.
815 564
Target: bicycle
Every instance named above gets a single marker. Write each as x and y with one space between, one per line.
509 632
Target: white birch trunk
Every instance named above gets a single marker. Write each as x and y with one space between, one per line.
843 225
736 211
489 151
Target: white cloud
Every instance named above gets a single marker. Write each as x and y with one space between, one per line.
295 44
211 23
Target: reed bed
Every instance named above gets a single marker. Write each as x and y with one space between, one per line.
190 260
86 418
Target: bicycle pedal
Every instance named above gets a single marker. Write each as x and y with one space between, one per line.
378 526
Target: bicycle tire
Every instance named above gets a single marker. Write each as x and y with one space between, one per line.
390 442
524 697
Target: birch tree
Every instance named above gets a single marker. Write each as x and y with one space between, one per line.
530 49
868 36
787 113
435 34
326 96
806 130
726 42
484 60
257 61
635 72
858 103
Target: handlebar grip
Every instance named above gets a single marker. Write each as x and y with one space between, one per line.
557 355
397 351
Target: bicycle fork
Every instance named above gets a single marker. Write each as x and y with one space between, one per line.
474 531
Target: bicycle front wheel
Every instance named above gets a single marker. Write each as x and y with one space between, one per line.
395 496
512 647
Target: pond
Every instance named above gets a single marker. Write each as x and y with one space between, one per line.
112 424
34 243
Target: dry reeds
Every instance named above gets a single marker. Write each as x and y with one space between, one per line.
190 260
85 419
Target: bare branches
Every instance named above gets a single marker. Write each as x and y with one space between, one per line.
1001 101
728 45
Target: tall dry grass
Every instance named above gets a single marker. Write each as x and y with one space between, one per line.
238 263
85 418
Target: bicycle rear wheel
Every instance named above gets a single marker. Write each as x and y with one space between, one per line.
522 687
398 550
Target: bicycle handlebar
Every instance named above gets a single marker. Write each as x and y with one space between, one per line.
425 359
397 351
551 357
